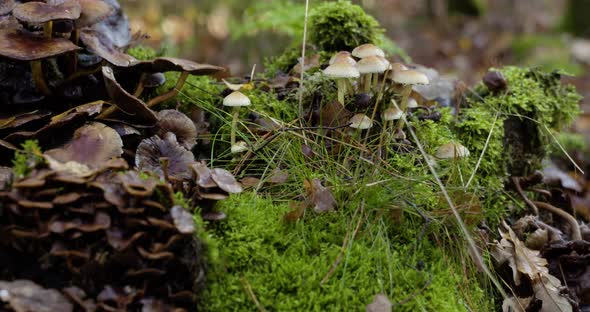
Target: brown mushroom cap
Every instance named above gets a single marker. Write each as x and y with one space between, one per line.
102 46
151 150
167 64
6 6
93 11
125 101
24 46
92 145
40 12
171 120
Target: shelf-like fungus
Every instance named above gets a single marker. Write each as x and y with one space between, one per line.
341 71
46 13
235 100
21 45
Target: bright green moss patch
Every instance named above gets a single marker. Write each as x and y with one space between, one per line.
26 158
282 265
143 53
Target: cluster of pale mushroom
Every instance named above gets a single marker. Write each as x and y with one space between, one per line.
344 68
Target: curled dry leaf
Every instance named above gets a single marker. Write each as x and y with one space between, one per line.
319 196
26 296
515 304
149 152
183 220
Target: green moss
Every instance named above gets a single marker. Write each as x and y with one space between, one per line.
283 264
535 103
570 142
143 53
27 158
340 25
545 52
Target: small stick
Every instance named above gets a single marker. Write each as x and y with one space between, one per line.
516 182
576 233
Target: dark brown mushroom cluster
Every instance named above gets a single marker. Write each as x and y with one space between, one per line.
63 63
110 238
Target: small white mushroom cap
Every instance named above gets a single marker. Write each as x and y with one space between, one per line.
410 77
341 70
367 49
451 150
239 147
236 99
412 103
361 121
372 64
342 56
397 67
392 113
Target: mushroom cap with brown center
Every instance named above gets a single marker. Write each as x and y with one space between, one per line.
372 64
93 11
151 150
168 64
451 150
392 113
410 77
40 12
341 70
24 46
102 46
361 121
342 56
366 50
236 99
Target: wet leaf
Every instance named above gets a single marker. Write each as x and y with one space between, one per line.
319 196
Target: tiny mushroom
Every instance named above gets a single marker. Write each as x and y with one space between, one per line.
45 13
389 116
21 45
361 122
369 66
235 100
341 71
451 150
366 50
239 147
412 103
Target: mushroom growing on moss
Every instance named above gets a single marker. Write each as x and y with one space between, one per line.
21 45
370 67
235 100
451 150
408 78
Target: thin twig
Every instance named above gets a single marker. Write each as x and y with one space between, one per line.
576 233
250 292
518 187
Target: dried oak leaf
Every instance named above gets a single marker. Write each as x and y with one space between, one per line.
171 120
92 145
183 220
319 196
26 296
149 152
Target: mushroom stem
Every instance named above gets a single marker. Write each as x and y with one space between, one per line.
37 72
48 29
140 85
341 84
405 97
375 80
171 93
234 125
367 82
